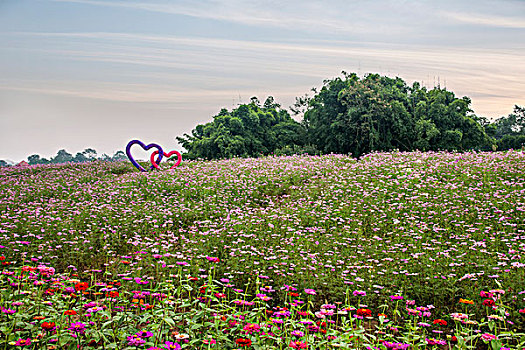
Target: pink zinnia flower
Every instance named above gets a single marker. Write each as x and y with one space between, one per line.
488 337
298 345
23 342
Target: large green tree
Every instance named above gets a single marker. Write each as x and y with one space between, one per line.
247 131
377 113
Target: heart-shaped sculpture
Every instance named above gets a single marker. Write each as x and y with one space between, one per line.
144 147
167 155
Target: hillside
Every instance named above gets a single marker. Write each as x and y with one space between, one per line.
389 233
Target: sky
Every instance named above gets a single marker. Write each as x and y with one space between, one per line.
98 73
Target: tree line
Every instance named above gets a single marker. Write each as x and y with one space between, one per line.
353 115
62 156
347 115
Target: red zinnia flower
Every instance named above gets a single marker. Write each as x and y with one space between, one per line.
48 326
440 322
81 286
488 302
112 294
243 342
70 312
364 312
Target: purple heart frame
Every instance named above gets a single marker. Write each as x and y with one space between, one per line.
144 147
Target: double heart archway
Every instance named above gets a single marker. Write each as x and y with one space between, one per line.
158 151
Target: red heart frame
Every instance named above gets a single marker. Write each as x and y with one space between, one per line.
167 155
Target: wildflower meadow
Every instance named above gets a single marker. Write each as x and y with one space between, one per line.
391 251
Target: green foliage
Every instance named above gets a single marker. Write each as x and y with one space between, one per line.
249 130
35 159
509 131
377 113
87 155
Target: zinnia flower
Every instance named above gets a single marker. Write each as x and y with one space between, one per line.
48 326
440 322
23 342
488 337
81 286
243 342
77 327
298 345
488 302
364 312
172 345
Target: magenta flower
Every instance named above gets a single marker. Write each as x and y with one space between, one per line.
172 345
135 340
77 327
23 342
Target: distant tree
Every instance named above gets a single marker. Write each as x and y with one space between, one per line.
119 155
509 131
3 163
35 159
62 157
90 154
104 157
80 157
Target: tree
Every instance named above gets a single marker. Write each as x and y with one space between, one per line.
119 155
80 157
249 130
62 157
90 154
509 131
3 163
35 159
377 113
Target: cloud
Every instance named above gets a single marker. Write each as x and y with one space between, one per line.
181 70
335 16
487 20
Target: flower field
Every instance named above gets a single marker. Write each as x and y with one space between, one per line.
394 251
